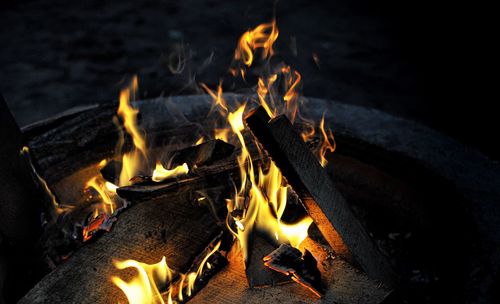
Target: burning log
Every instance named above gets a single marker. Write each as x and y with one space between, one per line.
302 269
203 154
170 225
257 274
206 265
325 204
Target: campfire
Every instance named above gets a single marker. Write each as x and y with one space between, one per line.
240 190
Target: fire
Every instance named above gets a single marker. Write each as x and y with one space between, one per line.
263 37
160 173
131 161
267 198
328 142
150 284
143 289
105 191
260 199
217 97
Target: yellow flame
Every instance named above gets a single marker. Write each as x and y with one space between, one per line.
261 37
328 143
105 191
266 198
143 289
199 141
131 161
160 173
129 116
222 134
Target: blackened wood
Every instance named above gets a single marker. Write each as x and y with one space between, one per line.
322 200
258 275
170 225
215 263
303 269
75 141
203 154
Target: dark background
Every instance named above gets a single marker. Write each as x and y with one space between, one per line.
415 59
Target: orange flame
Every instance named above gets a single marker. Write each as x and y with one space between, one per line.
217 97
266 198
143 288
328 142
131 161
263 37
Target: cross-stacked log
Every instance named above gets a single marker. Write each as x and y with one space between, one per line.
322 200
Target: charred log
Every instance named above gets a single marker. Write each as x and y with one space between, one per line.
303 269
203 154
322 200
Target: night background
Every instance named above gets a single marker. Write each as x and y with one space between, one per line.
416 59
423 61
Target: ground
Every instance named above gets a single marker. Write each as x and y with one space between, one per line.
56 55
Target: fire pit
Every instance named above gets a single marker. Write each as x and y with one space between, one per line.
391 189
238 198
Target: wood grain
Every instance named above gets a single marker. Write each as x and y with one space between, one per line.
325 204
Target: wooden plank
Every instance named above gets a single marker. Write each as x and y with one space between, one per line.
170 225
321 199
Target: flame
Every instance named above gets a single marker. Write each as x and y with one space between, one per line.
263 37
106 191
222 134
199 141
129 116
262 91
160 173
328 143
143 289
267 198
56 207
131 161
217 97
292 82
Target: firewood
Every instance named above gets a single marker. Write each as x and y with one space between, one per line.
302 269
258 275
111 171
213 265
322 200
203 154
217 174
169 225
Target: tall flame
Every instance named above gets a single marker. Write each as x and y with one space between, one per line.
267 198
133 160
